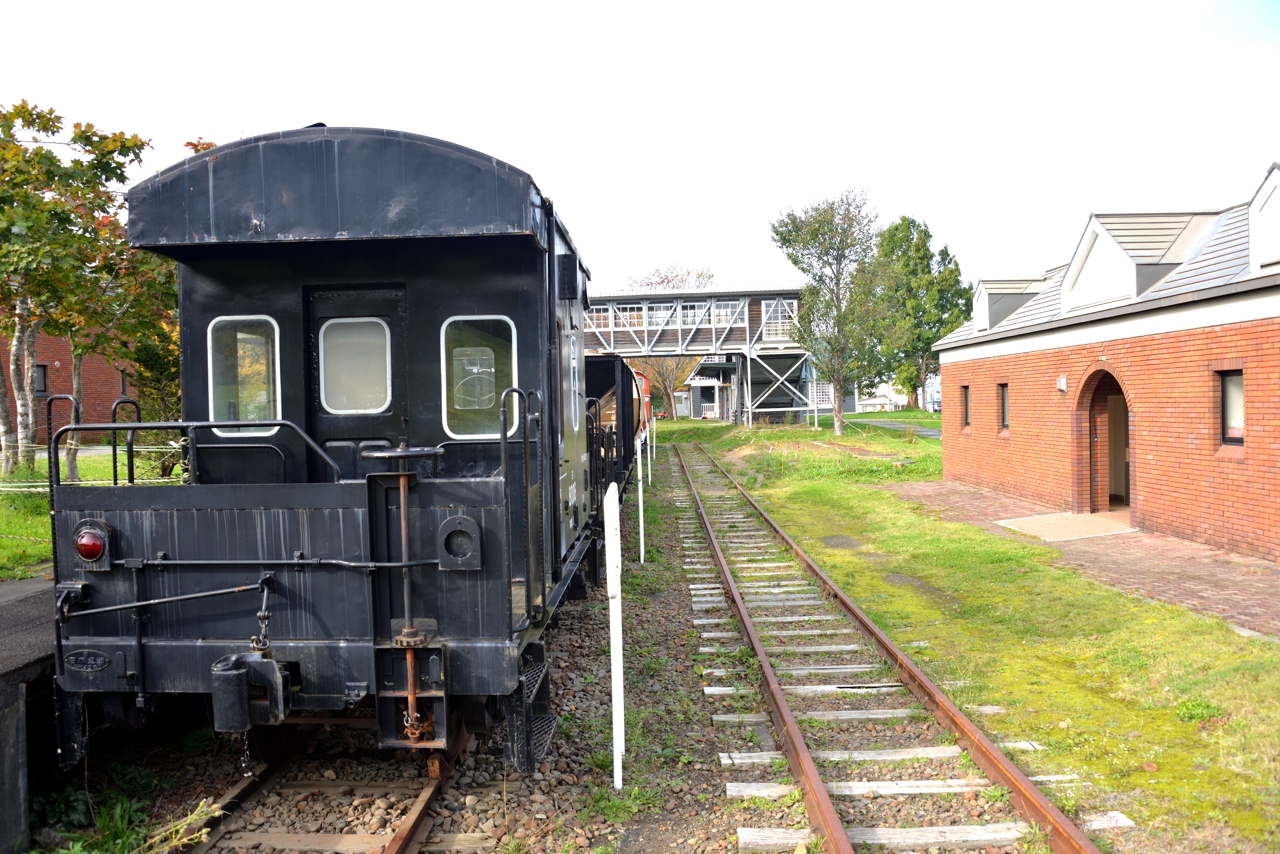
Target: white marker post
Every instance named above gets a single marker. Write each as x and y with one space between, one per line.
613 585
640 491
653 434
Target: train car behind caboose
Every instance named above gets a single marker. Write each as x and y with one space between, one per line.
388 471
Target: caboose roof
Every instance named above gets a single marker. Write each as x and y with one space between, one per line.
323 183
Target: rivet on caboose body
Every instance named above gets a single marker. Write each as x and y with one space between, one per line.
362 312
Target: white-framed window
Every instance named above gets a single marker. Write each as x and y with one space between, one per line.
244 372
1232 394
598 317
355 365
629 314
660 314
691 314
725 314
477 363
779 318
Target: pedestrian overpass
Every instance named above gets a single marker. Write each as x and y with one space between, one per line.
751 366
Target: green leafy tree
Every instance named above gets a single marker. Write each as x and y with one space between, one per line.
833 243
928 301
56 202
109 305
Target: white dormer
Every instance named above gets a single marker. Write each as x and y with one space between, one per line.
1122 256
981 316
995 300
1100 273
1264 225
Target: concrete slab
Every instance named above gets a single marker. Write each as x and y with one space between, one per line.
26 627
1057 527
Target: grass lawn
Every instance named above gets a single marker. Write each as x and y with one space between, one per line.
24 517
1171 716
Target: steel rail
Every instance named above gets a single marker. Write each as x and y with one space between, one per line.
1026 798
268 772
822 811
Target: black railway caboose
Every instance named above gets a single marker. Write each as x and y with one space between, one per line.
392 468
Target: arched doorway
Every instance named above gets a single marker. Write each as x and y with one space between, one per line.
1103 457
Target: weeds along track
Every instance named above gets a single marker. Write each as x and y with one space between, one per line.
795 659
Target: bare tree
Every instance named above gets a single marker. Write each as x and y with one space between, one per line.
667 373
674 278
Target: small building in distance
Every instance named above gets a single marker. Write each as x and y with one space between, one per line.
1142 374
103 384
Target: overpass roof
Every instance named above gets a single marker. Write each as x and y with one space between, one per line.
616 292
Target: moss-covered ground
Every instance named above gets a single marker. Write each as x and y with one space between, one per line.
1169 715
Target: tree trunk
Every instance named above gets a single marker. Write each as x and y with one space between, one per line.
837 407
18 379
71 473
913 400
8 436
29 389
669 397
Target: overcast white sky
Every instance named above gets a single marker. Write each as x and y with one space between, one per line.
672 133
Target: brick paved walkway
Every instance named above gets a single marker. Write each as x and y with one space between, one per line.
1243 590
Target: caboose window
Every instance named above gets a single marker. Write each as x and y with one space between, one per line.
478 361
355 365
244 372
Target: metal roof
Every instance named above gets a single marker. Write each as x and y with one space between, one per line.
1207 255
322 183
1145 237
1223 258
615 292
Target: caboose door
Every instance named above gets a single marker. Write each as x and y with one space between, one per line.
357 392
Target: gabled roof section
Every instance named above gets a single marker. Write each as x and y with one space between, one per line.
1128 263
1221 257
1046 305
1155 238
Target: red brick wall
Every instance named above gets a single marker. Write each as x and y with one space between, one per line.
99 378
1183 480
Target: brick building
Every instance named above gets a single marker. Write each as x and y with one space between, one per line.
1144 373
103 383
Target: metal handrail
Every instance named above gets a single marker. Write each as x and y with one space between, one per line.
188 428
504 443
137 411
545 489
48 410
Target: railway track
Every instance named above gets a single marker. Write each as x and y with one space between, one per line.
845 704
297 802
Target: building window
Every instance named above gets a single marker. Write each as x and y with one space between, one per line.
42 379
779 318
124 384
477 361
244 373
1004 406
726 314
630 315
598 317
692 314
1232 407
660 314
964 403
355 365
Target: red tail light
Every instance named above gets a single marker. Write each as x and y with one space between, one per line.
89 545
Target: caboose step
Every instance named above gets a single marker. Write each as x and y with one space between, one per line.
544 729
